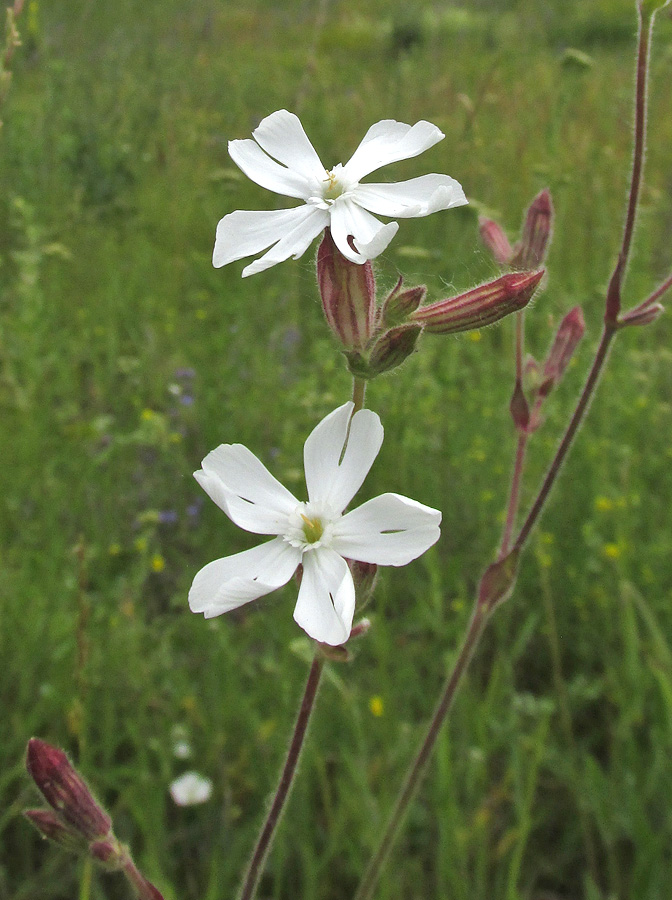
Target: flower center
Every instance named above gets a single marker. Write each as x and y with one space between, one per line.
333 188
312 528
309 526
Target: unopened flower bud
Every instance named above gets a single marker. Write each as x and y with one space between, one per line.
399 304
498 581
54 829
520 411
495 240
643 315
530 252
359 629
393 347
364 578
348 293
66 791
482 305
567 337
108 854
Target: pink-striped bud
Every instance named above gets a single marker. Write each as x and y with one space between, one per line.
642 315
530 251
482 305
567 337
495 240
66 791
348 292
399 304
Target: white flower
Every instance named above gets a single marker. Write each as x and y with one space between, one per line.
332 198
388 530
190 789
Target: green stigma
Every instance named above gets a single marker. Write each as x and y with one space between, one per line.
312 529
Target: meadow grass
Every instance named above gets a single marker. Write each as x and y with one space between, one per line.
553 778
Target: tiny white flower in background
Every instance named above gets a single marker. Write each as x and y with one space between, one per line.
190 789
333 198
389 530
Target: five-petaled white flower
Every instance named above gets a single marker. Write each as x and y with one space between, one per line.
332 198
388 530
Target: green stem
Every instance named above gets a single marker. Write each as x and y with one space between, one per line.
358 393
267 833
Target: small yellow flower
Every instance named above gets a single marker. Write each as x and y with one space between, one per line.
475 336
140 544
147 415
158 563
613 551
603 504
376 706
114 549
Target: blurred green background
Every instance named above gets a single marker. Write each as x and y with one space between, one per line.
125 357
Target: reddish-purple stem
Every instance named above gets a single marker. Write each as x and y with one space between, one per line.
613 305
480 618
265 839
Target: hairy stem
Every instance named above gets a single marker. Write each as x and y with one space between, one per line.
267 833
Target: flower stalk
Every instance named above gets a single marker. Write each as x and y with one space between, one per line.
265 839
499 578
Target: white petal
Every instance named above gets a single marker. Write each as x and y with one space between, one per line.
371 236
260 168
389 141
409 199
245 232
228 583
389 530
242 486
282 136
326 601
295 242
333 477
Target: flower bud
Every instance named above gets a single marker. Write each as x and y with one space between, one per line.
495 240
364 577
108 853
567 337
498 581
520 411
482 305
393 348
642 315
359 629
54 829
530 251
399 304
348 292
65 791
